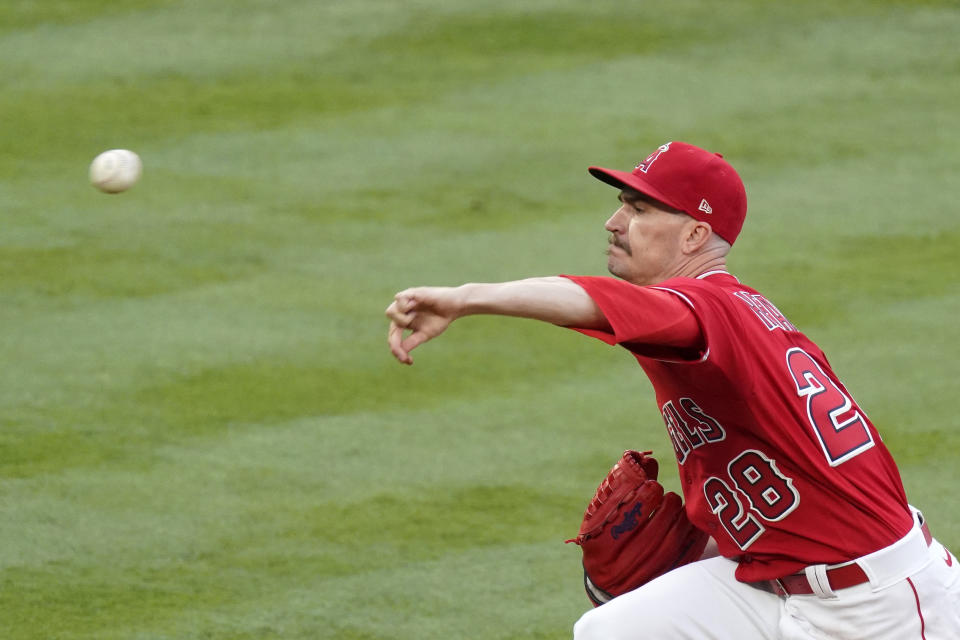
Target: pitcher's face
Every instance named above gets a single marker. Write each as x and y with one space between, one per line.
645 239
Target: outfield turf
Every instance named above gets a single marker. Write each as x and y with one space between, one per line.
203 432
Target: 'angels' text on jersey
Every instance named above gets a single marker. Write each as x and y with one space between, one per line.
689 427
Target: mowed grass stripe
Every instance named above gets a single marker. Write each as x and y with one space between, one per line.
314 607
227 89
260 83
118 422
253 503
294 549
303 469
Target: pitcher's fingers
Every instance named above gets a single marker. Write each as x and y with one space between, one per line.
395 340
395 314
413 341
404 302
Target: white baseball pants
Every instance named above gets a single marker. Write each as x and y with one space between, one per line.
703 601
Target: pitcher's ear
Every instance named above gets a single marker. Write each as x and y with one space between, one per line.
696 236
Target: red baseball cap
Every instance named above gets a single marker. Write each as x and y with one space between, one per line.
693 180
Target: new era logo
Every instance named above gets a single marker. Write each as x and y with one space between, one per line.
705 206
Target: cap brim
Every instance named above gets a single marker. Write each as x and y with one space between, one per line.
622 179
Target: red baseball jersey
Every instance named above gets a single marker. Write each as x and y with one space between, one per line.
777 461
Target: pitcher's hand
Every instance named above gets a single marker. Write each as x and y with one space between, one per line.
424 311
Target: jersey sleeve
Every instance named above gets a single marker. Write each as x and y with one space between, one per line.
650 322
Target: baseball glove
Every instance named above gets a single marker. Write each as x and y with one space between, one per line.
632 532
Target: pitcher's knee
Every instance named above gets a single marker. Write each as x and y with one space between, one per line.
594 625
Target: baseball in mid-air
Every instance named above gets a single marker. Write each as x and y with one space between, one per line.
115 170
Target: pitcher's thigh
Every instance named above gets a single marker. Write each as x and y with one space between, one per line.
699 601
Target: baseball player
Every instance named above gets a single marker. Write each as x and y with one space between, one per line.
795 523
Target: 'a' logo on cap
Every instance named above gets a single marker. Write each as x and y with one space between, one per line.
705 206
645 165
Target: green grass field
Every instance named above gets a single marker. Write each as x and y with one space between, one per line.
203 432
